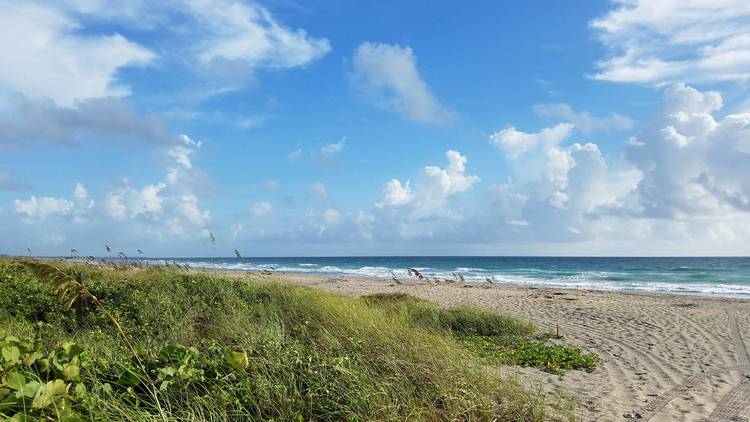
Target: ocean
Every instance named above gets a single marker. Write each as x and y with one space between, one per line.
710 276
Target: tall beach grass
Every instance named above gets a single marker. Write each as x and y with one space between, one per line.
215 348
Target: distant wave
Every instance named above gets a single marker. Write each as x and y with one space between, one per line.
675 279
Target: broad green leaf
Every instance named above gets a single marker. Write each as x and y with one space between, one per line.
14 380
32 357
20 417
72 349
29 389
167 372
57 360
238 360
11 355
41 400
80 390
72 372
43 364
57 388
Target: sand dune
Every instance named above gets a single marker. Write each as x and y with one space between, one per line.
666 357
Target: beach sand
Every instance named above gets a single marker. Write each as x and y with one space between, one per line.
665 357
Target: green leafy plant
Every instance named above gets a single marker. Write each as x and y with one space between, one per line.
554 358
35 384
71 290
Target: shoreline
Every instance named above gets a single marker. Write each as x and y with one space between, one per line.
732 288
664 356
477 284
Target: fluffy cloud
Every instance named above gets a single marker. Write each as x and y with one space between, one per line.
81 197
163 210
401 213
693 165
663 41
513 142
435 185
246 34
584 121
129 202
40 208
260 209
681 184
47 56
51 55
395 193
433 188
554 202
388 75
181 151
683 178
36 211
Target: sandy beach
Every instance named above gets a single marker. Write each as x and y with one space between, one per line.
665 357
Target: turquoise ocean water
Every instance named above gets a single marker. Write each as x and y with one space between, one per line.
724 277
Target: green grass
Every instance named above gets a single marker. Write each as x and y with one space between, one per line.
207 347
495 338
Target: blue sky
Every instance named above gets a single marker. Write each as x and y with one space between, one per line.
375 128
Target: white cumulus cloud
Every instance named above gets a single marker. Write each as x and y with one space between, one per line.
665 41
47 56
41 208
395 193
432 188
693 163
247 34
514 142
388 75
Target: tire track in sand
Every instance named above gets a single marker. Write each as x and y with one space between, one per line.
714 341
735 334
656 365
738 399
654 406
734 402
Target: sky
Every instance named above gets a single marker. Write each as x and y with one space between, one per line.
318 128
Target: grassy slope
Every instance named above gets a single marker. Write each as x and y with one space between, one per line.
311 355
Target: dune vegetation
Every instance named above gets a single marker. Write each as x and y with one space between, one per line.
119 342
